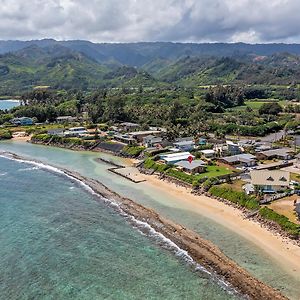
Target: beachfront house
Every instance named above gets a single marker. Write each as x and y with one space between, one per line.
184 145
75 131
174 158
124 138
281 153
244 160
194 167
23 121
268 181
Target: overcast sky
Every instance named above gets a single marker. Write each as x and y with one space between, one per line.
152 20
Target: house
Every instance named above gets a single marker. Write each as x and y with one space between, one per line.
152 141
139 135
58 131
124 138
232 148
173 158
185 145
281 153
270 181
194 167
75 131
128 126
65 119
208 153
24 121
246 160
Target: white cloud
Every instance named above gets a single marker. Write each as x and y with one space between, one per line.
151 20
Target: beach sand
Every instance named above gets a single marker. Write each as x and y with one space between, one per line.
281 250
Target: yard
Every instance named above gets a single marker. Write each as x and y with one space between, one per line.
236 185
214 171
285 206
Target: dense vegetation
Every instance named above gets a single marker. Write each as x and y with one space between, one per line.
239 198
288 226
63 65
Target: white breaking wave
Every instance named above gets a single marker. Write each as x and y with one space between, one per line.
3 174
143 227
28 169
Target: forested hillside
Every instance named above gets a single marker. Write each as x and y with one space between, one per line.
87 66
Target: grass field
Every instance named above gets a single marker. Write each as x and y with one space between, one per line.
214 171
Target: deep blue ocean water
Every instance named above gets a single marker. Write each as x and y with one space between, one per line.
60 242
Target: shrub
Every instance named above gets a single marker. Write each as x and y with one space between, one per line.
285 224
5 135
240 198
133 151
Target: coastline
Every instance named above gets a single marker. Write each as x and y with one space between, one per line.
280 248
201 251
283 250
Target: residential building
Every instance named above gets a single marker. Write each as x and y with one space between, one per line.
185 145
65 119
124 138
128 126
194 167
23 121
246 160
270 181
152 141
209 153
281 153
173 158
76 131
232 148
139 135
57 131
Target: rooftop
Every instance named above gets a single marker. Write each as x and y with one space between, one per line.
280 151
149 132
239 157
184 143
266 177
191 166
176 156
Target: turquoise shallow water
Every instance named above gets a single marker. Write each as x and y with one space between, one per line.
60 242
8 104
243 251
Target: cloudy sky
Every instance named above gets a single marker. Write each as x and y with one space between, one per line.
152 20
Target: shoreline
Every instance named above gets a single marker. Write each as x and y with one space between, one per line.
202 252
277 245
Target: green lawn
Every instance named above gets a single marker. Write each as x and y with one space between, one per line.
214 171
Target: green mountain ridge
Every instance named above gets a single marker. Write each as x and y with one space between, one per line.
60 67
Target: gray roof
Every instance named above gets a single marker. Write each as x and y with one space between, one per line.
240 157
184 143
190 166
280 151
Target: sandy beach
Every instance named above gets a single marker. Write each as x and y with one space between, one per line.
283 251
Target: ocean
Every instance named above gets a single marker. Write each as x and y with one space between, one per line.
8 104
237 247
58 241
